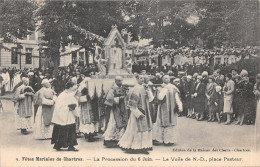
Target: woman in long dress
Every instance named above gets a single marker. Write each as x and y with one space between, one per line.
45 98
257 121
138 134
210 91
228 89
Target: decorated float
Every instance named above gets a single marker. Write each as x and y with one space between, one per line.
111 64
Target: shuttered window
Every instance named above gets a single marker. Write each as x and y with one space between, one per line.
14 56
28 56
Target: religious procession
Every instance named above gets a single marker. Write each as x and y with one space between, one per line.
132 96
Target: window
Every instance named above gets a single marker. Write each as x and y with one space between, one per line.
81 58
74 57
28 56
226 60
32 35
14 56
81 55
217 60
126 38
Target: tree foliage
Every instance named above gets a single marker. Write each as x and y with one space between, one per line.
170 24
59 19
196 23
16 19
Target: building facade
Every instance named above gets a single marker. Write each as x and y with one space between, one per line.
22 54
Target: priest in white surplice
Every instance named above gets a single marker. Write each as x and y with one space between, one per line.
64 118
168 97
117 115
24 106
138 135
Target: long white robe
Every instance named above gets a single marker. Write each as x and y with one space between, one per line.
17 79
40 130
133 138
165 134
20 122
85 128
112 132
62 115
6 81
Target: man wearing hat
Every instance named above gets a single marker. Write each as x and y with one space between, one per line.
116 113
188 92
199 98
143 72
193 86
236 100
234 73
24 96
157 79
205 76
244 96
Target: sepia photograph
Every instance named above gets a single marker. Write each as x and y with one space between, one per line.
129 83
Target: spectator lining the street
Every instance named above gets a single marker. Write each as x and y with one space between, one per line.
228 90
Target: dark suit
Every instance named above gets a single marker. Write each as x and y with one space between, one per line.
199 100
188 91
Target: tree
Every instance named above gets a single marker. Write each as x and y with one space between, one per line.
61 20
16 19
205 24
52 17
228 23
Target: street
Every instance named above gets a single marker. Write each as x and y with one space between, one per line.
189 134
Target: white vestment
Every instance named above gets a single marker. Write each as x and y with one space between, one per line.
42 131
165 134
21 122
62 115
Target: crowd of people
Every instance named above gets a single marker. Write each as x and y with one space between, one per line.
61 105
153 68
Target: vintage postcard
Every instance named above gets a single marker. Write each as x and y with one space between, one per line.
129 83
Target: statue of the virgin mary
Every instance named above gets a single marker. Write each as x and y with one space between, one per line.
116 56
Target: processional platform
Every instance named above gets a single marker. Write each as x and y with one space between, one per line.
114 49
